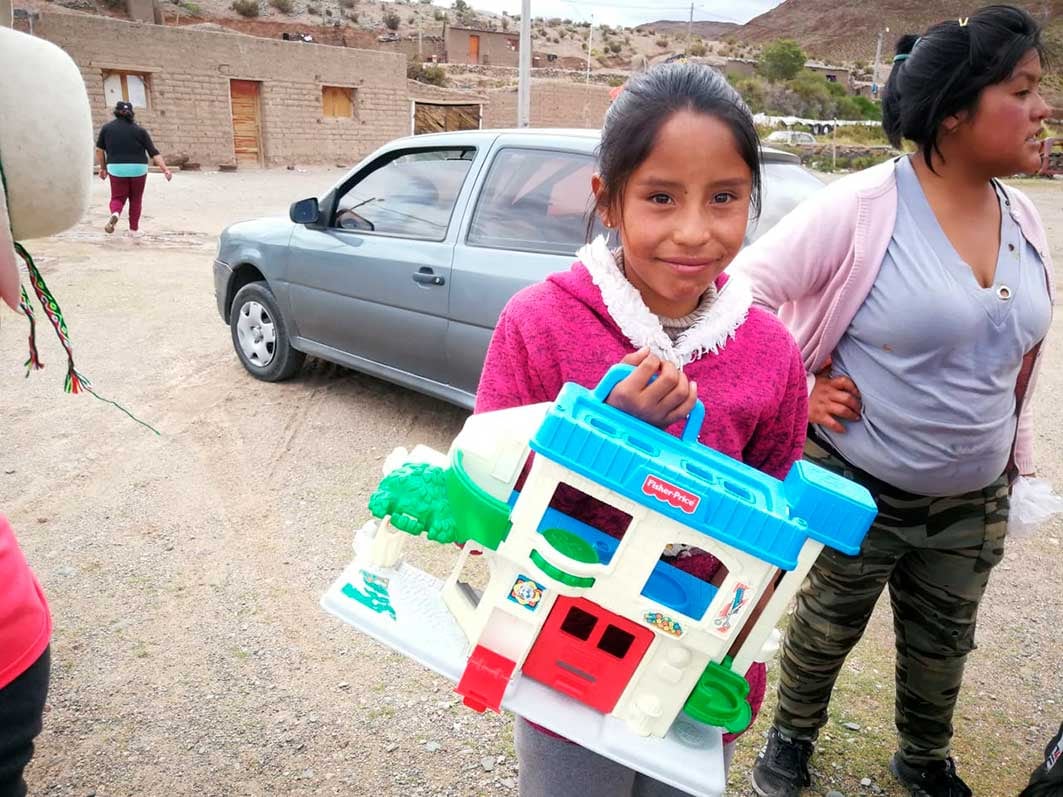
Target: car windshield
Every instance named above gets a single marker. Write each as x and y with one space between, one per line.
412 195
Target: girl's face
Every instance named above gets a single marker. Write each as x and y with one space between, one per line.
1003 133
684 211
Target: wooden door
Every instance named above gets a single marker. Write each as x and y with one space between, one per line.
247 124
474 49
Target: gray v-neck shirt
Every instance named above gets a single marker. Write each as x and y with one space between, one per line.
936 356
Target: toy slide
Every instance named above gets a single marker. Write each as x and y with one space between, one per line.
597 633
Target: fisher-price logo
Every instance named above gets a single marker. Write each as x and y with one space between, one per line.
670 494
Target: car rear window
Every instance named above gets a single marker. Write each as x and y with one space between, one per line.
534 200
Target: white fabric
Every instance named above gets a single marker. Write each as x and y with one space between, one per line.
643 328
45 146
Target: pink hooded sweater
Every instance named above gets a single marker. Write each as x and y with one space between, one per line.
25 624
576 324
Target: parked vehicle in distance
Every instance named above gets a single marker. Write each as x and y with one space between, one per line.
1051 157
402 268
794 138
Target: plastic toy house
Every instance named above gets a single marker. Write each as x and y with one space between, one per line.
603 619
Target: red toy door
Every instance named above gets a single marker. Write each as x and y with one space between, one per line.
587 653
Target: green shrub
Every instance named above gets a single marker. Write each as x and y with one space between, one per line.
662 42
392 21
440 15
246 8
192 8
433 75
615 47
284 6
347 3
698 49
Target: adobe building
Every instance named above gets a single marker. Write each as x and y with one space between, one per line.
485 47
833 74
554 103
225 98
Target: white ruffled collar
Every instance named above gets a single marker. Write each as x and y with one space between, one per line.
639 324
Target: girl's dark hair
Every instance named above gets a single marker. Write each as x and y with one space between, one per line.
649 100
943 72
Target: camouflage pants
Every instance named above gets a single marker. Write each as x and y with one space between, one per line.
935 554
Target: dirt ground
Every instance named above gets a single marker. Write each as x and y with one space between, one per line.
184 570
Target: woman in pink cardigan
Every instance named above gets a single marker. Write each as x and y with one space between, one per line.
679 172
919 292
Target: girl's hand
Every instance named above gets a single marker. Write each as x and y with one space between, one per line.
833 398
103 174
667 399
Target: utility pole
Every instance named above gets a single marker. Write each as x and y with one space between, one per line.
590 44
690 27
878 59
524 74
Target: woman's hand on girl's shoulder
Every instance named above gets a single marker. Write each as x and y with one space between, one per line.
833 397
663 401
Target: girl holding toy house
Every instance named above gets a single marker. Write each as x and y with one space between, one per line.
920 292
678 179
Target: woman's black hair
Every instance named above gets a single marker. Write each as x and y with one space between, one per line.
943 72
649 100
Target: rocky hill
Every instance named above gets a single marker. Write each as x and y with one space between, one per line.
710 31
846 30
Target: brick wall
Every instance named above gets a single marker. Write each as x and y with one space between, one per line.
553 104
189 88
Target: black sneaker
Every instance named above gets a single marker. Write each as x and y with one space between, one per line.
936 779
781 769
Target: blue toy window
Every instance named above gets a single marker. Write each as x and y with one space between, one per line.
680 591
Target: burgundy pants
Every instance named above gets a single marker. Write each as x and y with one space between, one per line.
131 188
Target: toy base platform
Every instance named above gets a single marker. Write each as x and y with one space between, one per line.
403 608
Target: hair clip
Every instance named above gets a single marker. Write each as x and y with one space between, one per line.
963 21
900 57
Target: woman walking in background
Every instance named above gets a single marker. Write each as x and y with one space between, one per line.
919 292
124 149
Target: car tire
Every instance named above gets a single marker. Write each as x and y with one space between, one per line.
260 335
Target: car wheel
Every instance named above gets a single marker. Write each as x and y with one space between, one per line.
260 335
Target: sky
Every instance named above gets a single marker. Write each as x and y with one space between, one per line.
631 12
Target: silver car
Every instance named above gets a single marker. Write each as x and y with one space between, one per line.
402 268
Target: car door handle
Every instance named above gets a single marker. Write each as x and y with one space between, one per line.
427 277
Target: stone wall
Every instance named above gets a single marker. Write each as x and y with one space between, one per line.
188 88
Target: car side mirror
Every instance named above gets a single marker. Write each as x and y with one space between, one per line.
305 211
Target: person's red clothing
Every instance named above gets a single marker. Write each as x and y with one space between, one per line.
25 623
131 188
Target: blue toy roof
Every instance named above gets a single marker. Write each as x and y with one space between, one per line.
699 487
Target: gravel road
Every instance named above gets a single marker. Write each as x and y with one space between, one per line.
184 570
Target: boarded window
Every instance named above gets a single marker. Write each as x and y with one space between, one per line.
126 86
430 118
337 102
